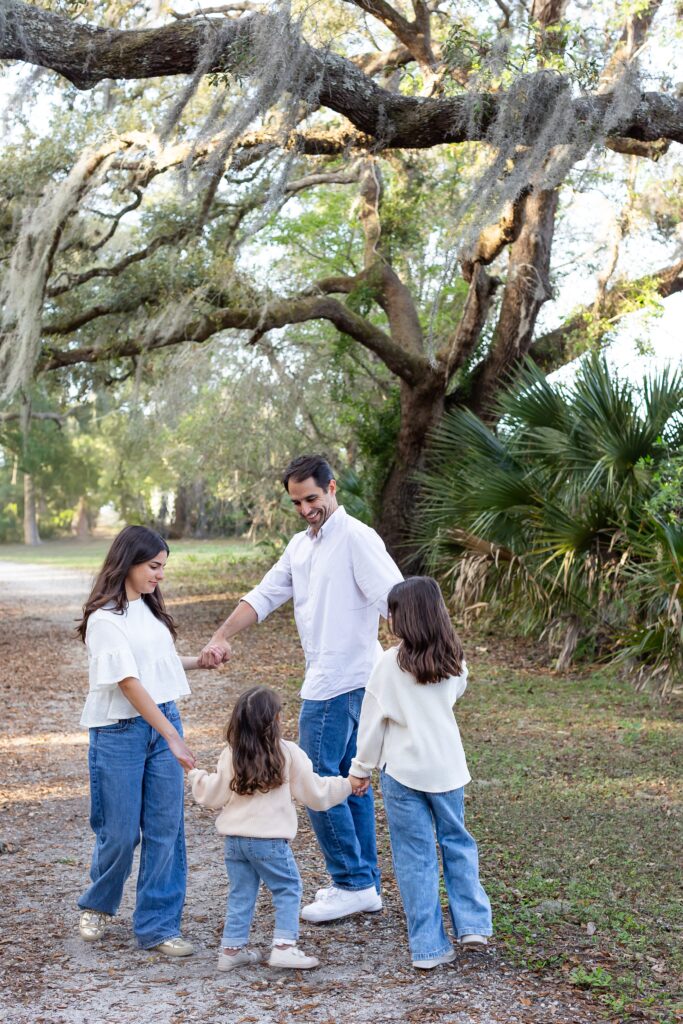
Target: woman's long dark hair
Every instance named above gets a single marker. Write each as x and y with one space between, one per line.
430 648
255 739
134 545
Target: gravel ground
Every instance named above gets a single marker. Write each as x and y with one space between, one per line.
49 975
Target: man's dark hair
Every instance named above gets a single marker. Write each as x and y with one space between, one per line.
304 466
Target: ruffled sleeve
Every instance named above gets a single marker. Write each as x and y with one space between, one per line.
110 658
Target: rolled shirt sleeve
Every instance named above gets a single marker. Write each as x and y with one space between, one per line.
274 589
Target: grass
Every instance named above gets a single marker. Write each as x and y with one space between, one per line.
195 563
576 807
575 802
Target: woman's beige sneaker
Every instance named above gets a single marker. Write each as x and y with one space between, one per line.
291 956
92 925
175 946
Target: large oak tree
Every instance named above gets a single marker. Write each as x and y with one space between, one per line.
444 125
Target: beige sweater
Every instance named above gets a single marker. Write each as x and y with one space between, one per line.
269 815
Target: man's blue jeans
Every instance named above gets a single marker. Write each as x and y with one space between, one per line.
413 816
136 790
328 730
248 863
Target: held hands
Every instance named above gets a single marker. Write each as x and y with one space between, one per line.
359 786
215 652
182 752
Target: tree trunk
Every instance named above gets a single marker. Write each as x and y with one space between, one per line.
31 535
421 409
181 514
527 288
80 524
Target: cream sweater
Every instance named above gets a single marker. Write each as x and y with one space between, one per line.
409 729
270 815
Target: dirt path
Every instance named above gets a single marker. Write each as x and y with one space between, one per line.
50 977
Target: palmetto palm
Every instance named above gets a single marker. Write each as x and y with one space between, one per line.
548 515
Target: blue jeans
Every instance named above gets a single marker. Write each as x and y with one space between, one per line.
248 863
413 816
136 791
328 730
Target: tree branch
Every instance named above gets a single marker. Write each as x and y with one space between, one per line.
74 280
551 349
86 55
280 313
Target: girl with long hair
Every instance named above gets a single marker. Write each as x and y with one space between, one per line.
258 777
407 729
137 752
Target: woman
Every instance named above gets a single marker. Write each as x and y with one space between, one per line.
137 752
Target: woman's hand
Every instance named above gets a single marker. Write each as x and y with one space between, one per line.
359 786
181 752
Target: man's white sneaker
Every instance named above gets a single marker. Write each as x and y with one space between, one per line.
291 956
332 903
426 965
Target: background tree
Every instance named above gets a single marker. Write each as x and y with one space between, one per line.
404 197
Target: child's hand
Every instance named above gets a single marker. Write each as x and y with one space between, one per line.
359 786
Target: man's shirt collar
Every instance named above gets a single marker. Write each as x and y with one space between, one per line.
329 526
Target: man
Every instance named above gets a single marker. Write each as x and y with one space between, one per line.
338 573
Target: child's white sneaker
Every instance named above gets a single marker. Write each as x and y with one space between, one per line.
474 943
243 956
291 956
331 903
426 965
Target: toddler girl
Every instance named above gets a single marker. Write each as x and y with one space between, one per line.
407 727
258 776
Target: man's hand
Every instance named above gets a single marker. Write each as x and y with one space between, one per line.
215 652
359 786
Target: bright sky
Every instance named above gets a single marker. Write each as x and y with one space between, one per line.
644 344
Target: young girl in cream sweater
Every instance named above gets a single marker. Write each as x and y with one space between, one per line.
257 779
408 730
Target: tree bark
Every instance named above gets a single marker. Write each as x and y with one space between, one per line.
86 55
421 409
80 525
31 534
527 288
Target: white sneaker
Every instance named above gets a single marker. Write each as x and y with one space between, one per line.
228 961
332 903
474 943
175 946
291 956
426 965
92 925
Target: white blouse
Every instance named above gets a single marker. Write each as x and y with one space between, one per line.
134 643
409 729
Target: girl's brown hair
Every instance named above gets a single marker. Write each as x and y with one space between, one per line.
134 545
430 648
255 739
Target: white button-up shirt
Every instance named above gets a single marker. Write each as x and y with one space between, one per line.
339 580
